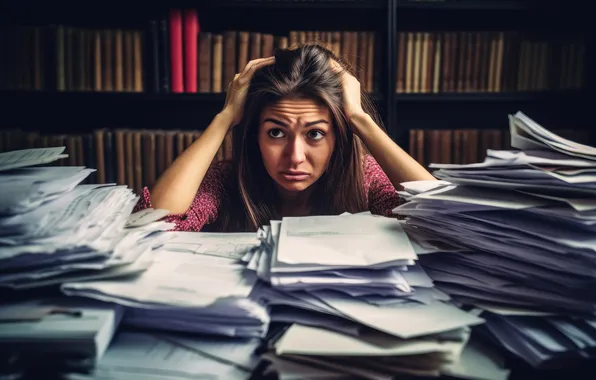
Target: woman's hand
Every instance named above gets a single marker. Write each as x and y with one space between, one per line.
238 87
351 91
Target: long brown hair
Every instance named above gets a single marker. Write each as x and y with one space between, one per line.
302 72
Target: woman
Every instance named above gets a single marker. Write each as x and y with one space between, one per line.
299 122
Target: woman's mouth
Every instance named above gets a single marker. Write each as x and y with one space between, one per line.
294 175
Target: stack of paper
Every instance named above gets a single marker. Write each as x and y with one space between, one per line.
521 227
198 293
358 302
53 228
309 353
546 164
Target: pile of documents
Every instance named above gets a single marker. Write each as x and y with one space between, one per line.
358 302
53 228
195 284
520 229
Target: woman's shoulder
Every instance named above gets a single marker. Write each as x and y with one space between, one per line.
222 167
220 172
370 166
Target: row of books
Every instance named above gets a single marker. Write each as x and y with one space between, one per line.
183 52
63 58
172 59
487 61
172 56
468 145
455 146
135 158
222 55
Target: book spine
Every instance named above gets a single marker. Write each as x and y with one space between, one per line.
191 30
176 53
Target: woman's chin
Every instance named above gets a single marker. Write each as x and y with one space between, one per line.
294 186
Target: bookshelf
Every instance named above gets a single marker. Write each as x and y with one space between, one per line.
463 65
277 18
137 104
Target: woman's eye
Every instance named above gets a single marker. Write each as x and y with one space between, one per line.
276 133
315 134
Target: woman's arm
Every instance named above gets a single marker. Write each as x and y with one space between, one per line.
177 186
395 162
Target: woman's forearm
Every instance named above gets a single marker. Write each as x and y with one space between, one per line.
395 162
176 188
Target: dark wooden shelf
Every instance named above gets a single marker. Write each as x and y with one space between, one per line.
311 4
112 96
107 97
72 111
466 4
488 97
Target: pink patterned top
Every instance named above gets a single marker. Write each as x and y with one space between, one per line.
382 197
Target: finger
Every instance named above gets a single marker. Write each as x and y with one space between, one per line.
335 66
231 84
251 67
247 76
255 61
256 64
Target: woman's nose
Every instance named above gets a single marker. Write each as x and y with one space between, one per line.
296 151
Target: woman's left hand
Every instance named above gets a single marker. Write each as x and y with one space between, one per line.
351 91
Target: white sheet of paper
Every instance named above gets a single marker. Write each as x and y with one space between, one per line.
350 240
405 322
26 188
484 196
179 279
229 245
29 157
422 186
540 157
545 136
306 340
517 185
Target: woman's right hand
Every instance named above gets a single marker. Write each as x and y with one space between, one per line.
238 87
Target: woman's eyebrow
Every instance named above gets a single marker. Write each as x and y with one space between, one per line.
281 123
275 121
311 123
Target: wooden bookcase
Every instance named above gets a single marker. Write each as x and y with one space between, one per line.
61 112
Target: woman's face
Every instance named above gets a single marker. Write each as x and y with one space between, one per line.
296 139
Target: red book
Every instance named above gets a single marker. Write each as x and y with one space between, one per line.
176 50
191 30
